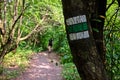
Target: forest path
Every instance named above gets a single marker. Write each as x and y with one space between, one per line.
43 66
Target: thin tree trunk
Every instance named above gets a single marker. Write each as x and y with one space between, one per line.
15 16
86 55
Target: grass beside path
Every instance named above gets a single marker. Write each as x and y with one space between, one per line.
14 63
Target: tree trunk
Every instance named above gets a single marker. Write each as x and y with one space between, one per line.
81 18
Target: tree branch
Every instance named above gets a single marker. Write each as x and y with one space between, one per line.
27 36
13 26
34 30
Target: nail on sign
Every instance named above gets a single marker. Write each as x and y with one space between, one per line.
77 27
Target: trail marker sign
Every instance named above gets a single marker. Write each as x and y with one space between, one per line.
77 27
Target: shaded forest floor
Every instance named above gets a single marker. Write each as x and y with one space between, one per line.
43 66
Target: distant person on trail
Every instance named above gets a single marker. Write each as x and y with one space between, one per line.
50 45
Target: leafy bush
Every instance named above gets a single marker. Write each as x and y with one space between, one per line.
18 59
112 41
70 72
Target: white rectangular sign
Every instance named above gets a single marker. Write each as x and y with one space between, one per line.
79 35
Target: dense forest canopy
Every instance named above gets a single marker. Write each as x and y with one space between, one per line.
31 23
28 19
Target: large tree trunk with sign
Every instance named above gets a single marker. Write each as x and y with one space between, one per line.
84 20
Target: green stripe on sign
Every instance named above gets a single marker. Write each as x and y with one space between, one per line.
77 28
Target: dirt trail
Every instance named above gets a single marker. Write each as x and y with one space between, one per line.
43 66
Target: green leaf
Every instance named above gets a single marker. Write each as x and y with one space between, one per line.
97 20
95 29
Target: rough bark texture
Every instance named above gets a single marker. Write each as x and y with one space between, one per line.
99 14
88 53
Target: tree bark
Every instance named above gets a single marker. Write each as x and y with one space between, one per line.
86 45
99 14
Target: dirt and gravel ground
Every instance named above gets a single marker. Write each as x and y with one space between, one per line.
43 66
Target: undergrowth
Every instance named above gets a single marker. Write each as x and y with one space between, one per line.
14 63
70 72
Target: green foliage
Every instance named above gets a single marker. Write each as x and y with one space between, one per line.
96 30
12 74
20 57
56 31
53 27
66 57
112 40
19 60
70 72
1 69
113 57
